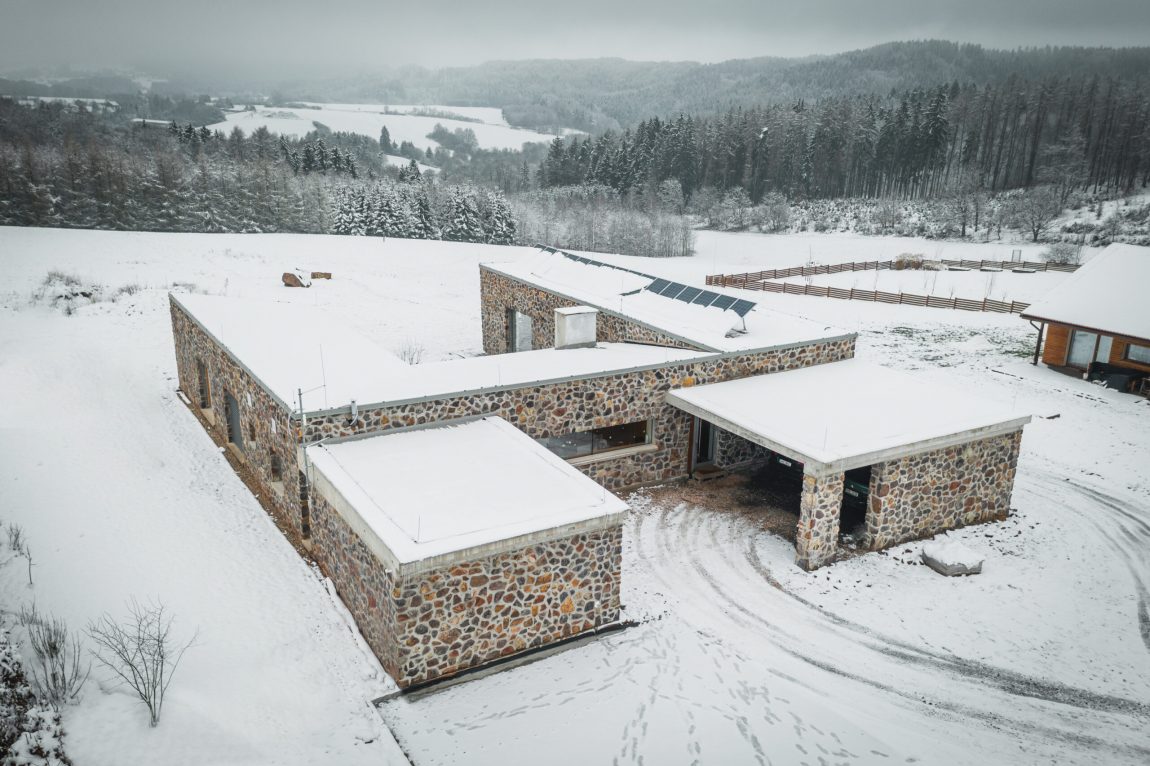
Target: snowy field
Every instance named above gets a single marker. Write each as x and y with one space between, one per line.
362 119
975 284
739 657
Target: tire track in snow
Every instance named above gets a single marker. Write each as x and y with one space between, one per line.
676 538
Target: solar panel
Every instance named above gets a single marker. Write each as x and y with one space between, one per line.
657 285
723 302
705 298
688 295
672 289
742 307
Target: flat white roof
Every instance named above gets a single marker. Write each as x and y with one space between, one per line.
428 492
290 346
847 414
621 292
1108 294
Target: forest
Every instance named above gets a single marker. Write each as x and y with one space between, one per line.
967 158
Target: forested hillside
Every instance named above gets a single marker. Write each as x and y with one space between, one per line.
1070 133
597 94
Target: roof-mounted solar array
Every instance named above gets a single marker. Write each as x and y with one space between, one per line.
667 288
591 261
741 307
699 297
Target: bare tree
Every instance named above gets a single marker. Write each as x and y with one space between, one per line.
58 672
1034 210
141 651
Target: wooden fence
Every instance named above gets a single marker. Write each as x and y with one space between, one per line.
757 280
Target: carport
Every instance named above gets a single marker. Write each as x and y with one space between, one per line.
938 457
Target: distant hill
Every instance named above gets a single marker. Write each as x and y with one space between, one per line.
594 94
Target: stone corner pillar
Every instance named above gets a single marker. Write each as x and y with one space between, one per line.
817 539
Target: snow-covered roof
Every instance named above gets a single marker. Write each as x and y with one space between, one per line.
621 292
1108 294
293 346
847 414
431 492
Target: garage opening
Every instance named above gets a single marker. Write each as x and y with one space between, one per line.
774 489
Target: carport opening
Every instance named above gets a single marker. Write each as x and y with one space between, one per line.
776 487
856 496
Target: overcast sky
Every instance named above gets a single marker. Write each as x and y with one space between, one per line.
297 38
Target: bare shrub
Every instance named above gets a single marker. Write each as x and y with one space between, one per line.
126 290
141 651
410 351
57 671
18 543
908 261
1062 252
66 292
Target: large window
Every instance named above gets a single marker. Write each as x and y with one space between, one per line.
599 440
1136 353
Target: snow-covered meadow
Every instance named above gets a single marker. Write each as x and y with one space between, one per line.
739 657
404 123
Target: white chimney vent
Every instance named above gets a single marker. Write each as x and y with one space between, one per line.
575 327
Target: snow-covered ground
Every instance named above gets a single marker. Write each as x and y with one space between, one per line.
975 285
491 115
360 118
739 657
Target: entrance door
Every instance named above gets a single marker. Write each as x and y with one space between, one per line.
1082 345
232 413
704 443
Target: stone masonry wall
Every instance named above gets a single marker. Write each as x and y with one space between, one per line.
922 495
457 617
498 293
580 405
363 583
261 416
428 625
817 538
732 451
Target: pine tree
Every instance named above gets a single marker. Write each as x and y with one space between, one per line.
464 222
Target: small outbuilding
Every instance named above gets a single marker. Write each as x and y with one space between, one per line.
461 543
1097 322
923 458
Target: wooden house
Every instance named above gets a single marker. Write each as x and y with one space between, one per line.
1098 321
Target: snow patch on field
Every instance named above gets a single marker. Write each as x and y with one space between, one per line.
298 122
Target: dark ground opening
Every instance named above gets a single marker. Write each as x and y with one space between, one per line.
856 494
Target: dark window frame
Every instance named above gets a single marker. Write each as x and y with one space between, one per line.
1128 358
595 438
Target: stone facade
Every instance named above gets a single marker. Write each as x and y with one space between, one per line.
426 625
267 425
817 538
554 409
733 451
922 495
498 293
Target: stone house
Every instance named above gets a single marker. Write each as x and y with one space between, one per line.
609 378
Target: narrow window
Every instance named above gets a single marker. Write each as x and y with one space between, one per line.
204 385
277 468
520 329
232 416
